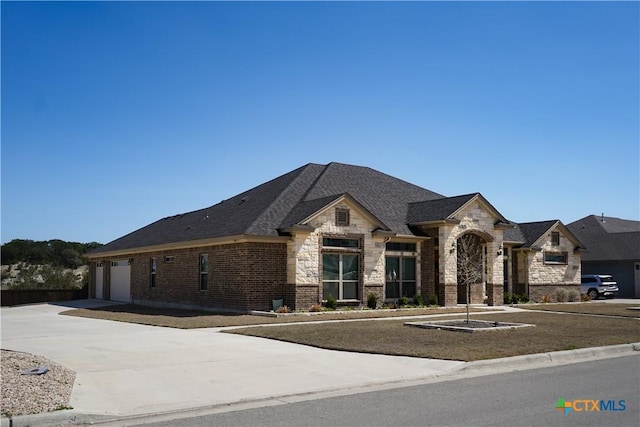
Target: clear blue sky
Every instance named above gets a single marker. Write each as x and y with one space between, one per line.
115 115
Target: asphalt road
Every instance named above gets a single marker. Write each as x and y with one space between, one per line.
523 398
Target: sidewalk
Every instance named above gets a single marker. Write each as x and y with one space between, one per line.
129 371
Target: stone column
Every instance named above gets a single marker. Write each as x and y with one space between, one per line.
448 267
495 273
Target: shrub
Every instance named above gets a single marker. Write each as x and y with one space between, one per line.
561 294
314 308
432 300
520 298
546 299
418 301
331 302
573 295
372 301
585 298
508 298
283 309
403 301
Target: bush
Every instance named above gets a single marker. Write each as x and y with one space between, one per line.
283 309
314 308
432 300
508 298
561 294
403 301
418 301
331 302
573 295
585 298
546 299
372 301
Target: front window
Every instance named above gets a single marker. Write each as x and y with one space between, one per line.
340 276
555 258
555 238
400 273
204 272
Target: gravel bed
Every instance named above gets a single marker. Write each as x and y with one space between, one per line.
33 394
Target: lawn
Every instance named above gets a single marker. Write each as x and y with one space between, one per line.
553 332
601 308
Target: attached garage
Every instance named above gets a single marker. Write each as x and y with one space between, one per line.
120 283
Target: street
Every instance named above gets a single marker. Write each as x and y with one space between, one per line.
601 393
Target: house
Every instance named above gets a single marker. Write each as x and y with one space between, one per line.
613 248
336 229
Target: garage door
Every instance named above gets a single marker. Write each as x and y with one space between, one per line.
120 281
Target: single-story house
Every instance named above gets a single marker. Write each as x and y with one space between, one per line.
613 247
336 229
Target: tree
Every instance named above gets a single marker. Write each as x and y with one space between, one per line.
469 263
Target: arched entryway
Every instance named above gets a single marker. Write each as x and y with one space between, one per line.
472 267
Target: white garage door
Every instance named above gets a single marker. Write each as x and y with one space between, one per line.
120 281
99 279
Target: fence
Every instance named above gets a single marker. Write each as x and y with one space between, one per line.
31 296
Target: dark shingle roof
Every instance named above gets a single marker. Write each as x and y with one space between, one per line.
532 231
282 202
433 210
612 240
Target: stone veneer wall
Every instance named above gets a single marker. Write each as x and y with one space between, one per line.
475 218
304 275
544 279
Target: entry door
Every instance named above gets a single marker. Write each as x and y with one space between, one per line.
99 280
120 284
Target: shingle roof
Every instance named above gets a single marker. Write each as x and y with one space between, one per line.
282 202
433 210
532 231
612 240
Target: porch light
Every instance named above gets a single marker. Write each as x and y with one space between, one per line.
453 247
499 251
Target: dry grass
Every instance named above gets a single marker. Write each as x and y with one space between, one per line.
600 308
189 319
553 332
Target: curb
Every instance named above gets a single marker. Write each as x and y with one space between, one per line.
480 367
557 357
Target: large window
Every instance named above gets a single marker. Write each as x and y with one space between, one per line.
340 275
400 273
204 272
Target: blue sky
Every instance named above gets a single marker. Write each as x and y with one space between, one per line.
115 115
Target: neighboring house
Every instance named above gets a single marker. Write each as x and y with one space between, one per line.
613 247
337 229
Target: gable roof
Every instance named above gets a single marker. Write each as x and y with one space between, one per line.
446 208
284 202
613 239
530 234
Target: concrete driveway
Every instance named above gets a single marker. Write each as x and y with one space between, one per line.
127 369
